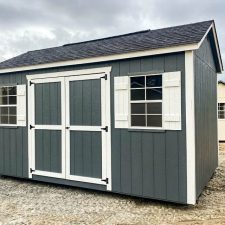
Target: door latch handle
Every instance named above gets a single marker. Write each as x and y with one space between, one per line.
105 128
67 127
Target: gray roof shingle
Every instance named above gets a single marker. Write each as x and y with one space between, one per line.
133 42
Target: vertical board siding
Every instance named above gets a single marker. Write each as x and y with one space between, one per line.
13 141
85 102
205 115
115 136
150 164
48 103
144 163
48 150
85 151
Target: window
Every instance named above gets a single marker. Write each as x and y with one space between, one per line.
8 105
221 110
146 101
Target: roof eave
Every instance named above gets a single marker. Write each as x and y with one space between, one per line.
158 51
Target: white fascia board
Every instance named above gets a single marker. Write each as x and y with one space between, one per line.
216 44
190 127
104 58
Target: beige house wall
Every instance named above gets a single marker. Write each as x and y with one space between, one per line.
221 122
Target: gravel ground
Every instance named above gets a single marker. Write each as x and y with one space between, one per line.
37 203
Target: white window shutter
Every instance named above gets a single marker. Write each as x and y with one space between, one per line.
121 101
172 100
21 105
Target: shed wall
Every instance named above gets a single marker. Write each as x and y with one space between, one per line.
205 115
149 163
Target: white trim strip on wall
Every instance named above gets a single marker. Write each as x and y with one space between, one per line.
190 127
158 51
89 74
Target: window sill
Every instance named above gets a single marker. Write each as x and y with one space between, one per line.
151 130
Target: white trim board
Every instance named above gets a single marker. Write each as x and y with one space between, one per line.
190 127
86 72
129 55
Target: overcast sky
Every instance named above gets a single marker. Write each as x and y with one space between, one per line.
26 25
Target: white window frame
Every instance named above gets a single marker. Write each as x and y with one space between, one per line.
12 105
220 111
145 101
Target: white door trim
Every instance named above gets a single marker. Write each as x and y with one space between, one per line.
87 72
31 132
66 77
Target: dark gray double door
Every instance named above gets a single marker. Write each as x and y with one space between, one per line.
67 128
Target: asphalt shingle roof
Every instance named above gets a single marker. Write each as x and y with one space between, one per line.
133 42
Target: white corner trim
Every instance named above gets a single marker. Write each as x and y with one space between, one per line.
158 51
86 72
190 127
217 124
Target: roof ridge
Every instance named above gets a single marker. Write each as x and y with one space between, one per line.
121 35
137 32
182 25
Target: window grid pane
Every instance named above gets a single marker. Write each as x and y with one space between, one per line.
8 105
221 110
144 91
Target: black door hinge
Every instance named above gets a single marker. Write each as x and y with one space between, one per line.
106 180
31 83
105 128
31 170
105 77
31 127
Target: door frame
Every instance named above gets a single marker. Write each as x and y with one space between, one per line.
104 71
31 131
103 124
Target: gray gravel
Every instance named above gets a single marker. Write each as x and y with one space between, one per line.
37 203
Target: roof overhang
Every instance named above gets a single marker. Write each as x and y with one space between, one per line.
158 51
103 58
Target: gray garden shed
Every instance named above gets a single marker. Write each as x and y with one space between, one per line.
134 114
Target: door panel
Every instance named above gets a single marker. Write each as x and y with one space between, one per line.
86 154
86 138
48 103
47 127
48 150
85 102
